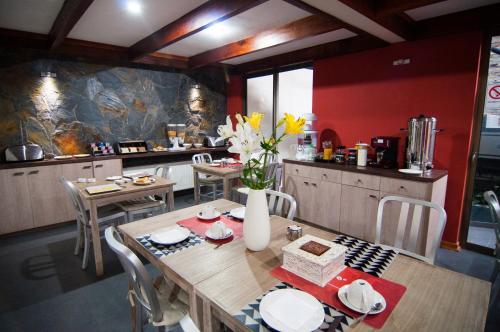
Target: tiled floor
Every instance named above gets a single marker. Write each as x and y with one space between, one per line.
42 287
482 236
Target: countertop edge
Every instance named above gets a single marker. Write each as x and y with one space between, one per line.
433 176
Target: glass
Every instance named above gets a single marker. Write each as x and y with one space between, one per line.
171 130
327 150
260 99
181 133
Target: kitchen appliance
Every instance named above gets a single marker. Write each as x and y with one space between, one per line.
421 138
386 151
24 152
210 142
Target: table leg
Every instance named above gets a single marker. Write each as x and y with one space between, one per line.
226 187
196 181
193 308
96 239
210 323
170 197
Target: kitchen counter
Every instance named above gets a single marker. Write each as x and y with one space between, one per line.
432 176
135 158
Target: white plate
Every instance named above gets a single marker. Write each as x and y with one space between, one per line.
63 157
410 171
238 213
214 164
215 216
151 180
229 233
291 310
81 155
376 297
114 178
170 235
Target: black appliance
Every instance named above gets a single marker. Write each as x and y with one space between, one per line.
386 152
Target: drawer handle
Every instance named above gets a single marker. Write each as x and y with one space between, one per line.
99 165
359 181
402 187
325 176
306 183
18 173
372 196
87 167
296 170
34 172
314 184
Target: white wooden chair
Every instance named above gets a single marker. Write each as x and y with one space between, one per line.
147 206
213 182
274 171
435 232
491 198
280 204
164 303
106 215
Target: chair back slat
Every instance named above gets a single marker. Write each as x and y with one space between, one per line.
415 227
138 276
77 201
400 232
164 171
279 206
435 229
271 202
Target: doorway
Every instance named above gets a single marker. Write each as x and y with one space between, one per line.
482 219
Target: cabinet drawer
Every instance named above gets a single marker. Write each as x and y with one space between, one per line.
298 170
325 174
361 180
407 188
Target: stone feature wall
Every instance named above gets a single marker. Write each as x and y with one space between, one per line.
92 102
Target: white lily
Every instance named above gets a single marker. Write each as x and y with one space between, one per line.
245 142
225 131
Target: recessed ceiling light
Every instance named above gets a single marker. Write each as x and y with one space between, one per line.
219 30
133 7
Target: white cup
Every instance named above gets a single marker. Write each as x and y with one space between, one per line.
359 294
208 211
82 180
218 230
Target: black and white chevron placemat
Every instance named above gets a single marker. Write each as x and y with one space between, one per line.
160 250
366 256
250 315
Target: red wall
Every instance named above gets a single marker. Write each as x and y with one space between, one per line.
363 95
235 96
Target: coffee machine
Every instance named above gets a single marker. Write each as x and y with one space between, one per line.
386 152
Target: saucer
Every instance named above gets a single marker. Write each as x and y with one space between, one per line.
376 297
238 213
216 215
229 233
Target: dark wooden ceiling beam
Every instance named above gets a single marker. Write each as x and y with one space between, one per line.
393 23
309 26
384 8
336 48
70 13
196 20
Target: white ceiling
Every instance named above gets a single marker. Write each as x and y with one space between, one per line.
293 46
108 21
447 7
29 15
248 23
349 15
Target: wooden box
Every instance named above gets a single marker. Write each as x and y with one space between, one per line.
318 269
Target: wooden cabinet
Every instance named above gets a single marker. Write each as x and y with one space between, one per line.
47 195
72 172
327 205
105 168
15 204
361 180
301 189
358 212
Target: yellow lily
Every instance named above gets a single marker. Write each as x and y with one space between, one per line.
293 126
254 120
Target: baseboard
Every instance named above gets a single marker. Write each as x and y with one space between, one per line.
455 246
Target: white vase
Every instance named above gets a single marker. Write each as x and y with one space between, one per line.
256 226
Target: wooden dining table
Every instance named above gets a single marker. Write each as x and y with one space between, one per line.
227 174
128 191
221 280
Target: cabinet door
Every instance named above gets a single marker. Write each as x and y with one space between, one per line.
358 212
72 172
46 194
326 212
15 204
300 189
105 168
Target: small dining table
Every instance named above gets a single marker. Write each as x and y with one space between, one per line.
222 279
128 191
226 173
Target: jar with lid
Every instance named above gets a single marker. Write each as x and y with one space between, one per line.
181 133
352 156
340 154
362 153
171 130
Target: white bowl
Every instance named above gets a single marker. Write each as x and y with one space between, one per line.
188 145
198 145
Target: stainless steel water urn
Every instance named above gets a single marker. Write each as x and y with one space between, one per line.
421 138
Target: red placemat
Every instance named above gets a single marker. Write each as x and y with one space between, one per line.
199 227
392 291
